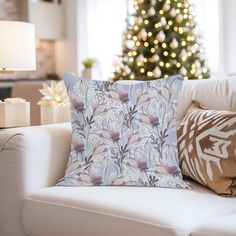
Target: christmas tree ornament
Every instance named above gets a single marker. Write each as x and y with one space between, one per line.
157 72
163 21
130 44
172 12
140 1
166 7
143 34
183 71
154 58
153 2
161 36
179 18
139 20
127 70
151 11
140 58
174 44
198 64
183 53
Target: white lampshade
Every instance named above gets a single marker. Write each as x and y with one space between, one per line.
17 46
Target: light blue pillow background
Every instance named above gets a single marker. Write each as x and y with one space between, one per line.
123 134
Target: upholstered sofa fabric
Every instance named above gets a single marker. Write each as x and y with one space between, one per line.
30 158
220 226
34 159
113 211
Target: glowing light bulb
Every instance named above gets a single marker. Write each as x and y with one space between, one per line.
143 12
142 70
161 63
146 22
173 54
165 53
179 4
150 74
178 65
146 44
139 63
153 50
167 65
132 76
164 45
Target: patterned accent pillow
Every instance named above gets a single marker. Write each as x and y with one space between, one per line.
123 134
207 148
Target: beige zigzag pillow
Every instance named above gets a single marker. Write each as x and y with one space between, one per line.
207 148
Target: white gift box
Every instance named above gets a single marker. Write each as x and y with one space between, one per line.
15 114
55 114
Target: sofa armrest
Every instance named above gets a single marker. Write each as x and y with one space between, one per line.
30 158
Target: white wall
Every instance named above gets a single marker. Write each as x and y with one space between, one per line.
228 36
66 50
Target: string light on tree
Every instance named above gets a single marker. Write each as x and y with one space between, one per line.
161 40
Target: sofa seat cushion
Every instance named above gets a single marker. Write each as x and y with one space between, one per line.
117 211
222 226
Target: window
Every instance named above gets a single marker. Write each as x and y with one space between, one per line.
106 24
207 18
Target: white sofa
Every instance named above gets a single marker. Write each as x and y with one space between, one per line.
33 159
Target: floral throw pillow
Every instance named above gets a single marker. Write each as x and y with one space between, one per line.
123 134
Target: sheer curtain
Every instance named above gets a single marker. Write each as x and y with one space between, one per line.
207 15
106 24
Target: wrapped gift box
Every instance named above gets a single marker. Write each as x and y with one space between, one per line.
14 113
55 114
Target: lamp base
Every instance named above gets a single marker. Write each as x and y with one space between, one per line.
4 71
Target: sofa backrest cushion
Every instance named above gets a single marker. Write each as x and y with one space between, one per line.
214 94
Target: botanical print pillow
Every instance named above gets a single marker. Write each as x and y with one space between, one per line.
123 134
207 146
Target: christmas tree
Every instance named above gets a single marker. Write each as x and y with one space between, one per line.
161 41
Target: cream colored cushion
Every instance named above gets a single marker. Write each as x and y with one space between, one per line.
210 93
232 92
222 226
120 211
